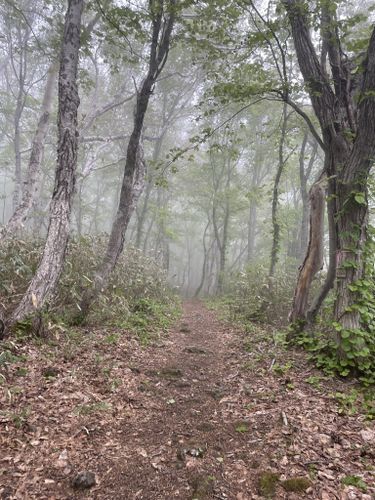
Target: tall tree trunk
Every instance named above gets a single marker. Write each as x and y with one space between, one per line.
348 157
133 181
17 150
79 211
204 265
30 186
352 223
275 196
20 103
221 258
149 186
142 213
331 271
304 234
251 232
253 210
162 243
224 242
49 269
147 236
304 174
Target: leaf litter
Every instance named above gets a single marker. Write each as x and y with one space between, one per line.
200 417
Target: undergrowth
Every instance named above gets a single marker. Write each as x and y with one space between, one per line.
252 300
252 296
138 297
343 351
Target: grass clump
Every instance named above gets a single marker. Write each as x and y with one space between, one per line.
267 482
242 427
355 481
89 409
296 484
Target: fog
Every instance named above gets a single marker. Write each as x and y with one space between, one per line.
228 171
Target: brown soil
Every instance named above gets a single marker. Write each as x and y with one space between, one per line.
195 415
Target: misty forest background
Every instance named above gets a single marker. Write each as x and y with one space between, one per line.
211 136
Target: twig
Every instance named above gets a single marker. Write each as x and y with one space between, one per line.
285 420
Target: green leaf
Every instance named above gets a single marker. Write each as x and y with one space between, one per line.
360 198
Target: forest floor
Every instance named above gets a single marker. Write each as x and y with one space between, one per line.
206 411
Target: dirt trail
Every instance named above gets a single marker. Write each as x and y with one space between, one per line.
205 413
181 438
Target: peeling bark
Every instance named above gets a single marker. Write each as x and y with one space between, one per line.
304 174
313 261
348 157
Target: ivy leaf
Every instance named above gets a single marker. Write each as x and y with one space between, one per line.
360 198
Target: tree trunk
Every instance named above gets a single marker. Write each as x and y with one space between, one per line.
304 174
224 243
331 271
17 150
352 230
30 188
314 257
347 123
134 172
47 275
162 243
149 186
251 232
275 197
204 266
142 213
20 103
352 222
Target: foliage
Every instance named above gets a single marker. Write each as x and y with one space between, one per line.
138 295
357 401
354 481
242 427
267 482
252 296
350 351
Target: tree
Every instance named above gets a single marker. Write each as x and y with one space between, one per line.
162 14
345 110
304 175
275 195
30 185
50 267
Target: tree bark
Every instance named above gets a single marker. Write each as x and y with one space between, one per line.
348 156
134 172
50 267
205 258
20 103
304 174
314 256
30 188
224 243
251 231
275 196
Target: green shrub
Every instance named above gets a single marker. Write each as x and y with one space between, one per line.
138 292
252 296
348 351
